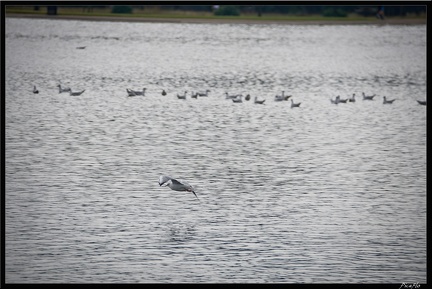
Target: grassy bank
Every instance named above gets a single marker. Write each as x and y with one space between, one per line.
173 14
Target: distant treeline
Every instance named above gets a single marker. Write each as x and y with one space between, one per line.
326 10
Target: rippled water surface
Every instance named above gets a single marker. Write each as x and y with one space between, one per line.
322 193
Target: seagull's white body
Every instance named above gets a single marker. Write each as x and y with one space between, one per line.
176 185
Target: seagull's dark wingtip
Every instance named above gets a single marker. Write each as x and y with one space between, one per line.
195 194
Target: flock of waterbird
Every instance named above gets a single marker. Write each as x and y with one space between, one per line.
338 100
177 185
236 98
61 90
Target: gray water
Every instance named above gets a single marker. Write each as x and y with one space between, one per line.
322 193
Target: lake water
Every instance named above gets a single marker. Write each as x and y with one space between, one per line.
322 193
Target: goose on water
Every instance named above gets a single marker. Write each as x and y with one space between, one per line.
422 102
76 93
258 101
63 89
247 97
35 90
182 96
294 104
352 99
388 101
176 185
194 95
368 97
164 92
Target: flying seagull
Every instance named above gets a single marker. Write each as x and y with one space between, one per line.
176 185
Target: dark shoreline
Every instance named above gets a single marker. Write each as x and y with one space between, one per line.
421 21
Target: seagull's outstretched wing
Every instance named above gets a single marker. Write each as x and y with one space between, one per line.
174 181
164 180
